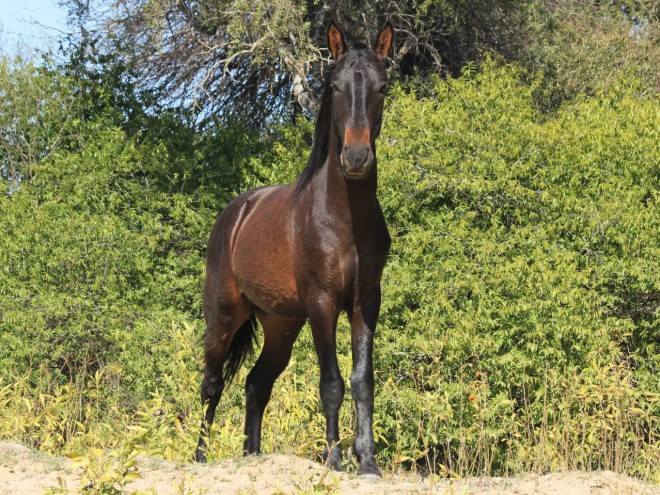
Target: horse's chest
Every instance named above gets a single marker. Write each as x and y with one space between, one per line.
347 265
343 270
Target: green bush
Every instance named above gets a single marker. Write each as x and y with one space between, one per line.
521 240
104 230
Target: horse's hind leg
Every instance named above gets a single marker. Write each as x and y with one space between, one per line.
226 316
279 336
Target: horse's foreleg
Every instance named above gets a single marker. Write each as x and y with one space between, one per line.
323 320
279 336
363 325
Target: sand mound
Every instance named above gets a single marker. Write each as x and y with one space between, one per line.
23 471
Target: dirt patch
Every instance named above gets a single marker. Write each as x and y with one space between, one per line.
23 471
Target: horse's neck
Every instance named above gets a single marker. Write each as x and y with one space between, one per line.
350 204
354 200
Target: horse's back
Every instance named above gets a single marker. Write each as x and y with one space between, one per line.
224 229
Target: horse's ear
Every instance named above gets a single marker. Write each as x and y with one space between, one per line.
383 43
336 43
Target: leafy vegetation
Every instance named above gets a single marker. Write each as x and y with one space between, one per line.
520 319
241 60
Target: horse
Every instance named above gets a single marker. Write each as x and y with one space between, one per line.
309 250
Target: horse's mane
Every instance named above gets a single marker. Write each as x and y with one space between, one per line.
321 136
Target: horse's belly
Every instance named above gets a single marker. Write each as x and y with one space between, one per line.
271 289
263 263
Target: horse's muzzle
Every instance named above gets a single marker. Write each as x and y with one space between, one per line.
356 161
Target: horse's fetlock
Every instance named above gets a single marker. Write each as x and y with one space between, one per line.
332 456
363 448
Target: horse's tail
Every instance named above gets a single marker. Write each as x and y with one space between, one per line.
242 346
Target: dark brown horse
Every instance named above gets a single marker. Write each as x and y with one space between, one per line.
306 251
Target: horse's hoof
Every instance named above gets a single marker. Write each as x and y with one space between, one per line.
334 464
332 458
200 457
369 471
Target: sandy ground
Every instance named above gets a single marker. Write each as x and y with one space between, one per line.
26 472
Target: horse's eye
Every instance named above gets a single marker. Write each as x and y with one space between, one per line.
382 88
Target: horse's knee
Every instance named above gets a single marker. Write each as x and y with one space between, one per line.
332 392
362 387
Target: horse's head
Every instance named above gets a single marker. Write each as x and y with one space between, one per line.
358 84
